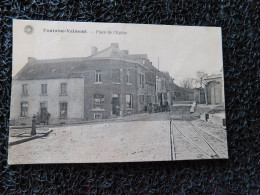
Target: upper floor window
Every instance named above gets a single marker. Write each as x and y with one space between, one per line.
63 88
141 80
129 101
143 61
24 109
43 89
127 76
98 101
25 89
98 76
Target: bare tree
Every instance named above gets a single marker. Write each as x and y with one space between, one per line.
200 78
187 83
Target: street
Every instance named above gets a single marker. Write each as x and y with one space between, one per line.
125 141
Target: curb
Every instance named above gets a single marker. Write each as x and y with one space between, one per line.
30 138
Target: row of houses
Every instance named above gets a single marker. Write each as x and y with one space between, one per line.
107 84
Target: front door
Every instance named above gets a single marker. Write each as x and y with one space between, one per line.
115 105
43 112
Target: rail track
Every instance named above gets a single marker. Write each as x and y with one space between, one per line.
197 138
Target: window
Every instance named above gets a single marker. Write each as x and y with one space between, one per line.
143 61
127 76
129 101
98 101
98 76
141 99
24 109
63 109
97 116
44 89
63 88
43 104
141 80
25 88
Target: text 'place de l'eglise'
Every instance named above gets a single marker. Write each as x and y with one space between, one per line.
107 84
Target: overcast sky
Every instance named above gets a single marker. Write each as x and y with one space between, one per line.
182 50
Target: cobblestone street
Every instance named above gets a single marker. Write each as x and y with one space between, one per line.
144 137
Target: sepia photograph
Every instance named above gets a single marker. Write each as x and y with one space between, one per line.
85 92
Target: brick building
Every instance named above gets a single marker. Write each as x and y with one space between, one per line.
107 84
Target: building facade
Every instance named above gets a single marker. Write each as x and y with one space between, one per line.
107 84
214 89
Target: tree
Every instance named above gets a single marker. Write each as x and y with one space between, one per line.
200 78
187 83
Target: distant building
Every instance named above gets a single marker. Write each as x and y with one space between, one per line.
199 95
214 89
107 84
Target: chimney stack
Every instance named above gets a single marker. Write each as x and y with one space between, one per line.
94 50
116 45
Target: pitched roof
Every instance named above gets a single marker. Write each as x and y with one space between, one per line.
70 67
50 69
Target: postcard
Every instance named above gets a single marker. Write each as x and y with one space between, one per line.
86 92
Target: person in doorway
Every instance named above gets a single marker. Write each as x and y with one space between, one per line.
38 119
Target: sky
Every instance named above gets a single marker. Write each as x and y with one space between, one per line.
180 50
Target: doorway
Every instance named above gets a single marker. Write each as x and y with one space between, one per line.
214 93
43 112
115 105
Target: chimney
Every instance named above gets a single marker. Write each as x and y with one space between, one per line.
116 45
125 51
94 50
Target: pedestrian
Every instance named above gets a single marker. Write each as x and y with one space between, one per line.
48 118
150 108
38 118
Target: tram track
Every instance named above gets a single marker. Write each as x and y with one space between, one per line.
193 137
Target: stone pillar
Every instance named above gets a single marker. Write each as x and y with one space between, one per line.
206 92
33 132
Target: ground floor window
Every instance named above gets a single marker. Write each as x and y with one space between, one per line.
129 101
98 101
63 109
24 109
97 116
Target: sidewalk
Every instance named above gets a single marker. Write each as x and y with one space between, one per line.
24 137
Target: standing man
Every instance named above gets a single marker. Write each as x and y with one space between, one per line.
48 117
